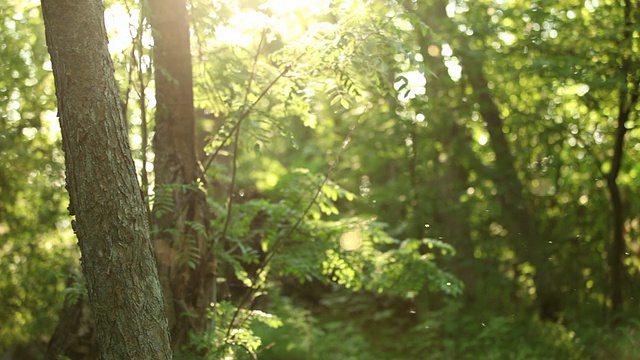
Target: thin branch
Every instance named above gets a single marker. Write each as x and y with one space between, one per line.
246 113
251 353
237 140
249 296
234 170
144 131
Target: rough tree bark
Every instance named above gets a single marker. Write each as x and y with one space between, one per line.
111 222
187 290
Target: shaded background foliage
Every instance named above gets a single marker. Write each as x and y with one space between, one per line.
416 179
34 238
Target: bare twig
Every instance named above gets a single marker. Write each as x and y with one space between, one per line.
249 296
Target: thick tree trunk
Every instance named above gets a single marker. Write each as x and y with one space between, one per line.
111 222
187 289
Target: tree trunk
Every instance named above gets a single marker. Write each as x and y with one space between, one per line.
74 336
453 179
517 214
628 98
615 254
187 289
111 222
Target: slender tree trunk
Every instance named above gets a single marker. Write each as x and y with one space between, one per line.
517 214
453 182
111 222
74 336
616 251
615 254
628 98
187 289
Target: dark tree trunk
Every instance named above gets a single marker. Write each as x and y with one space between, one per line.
628 98
615 255
74 336
187 289
517 213
453 182
111 222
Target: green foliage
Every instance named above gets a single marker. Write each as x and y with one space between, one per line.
304 335
35 241
347 156
76 289
227 339
619 343
507 338
285 236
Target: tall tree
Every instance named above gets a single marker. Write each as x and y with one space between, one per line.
517 213
111 222
629 93
29 210
185 277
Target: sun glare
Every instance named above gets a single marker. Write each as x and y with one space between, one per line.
285 17
290 6
119 22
